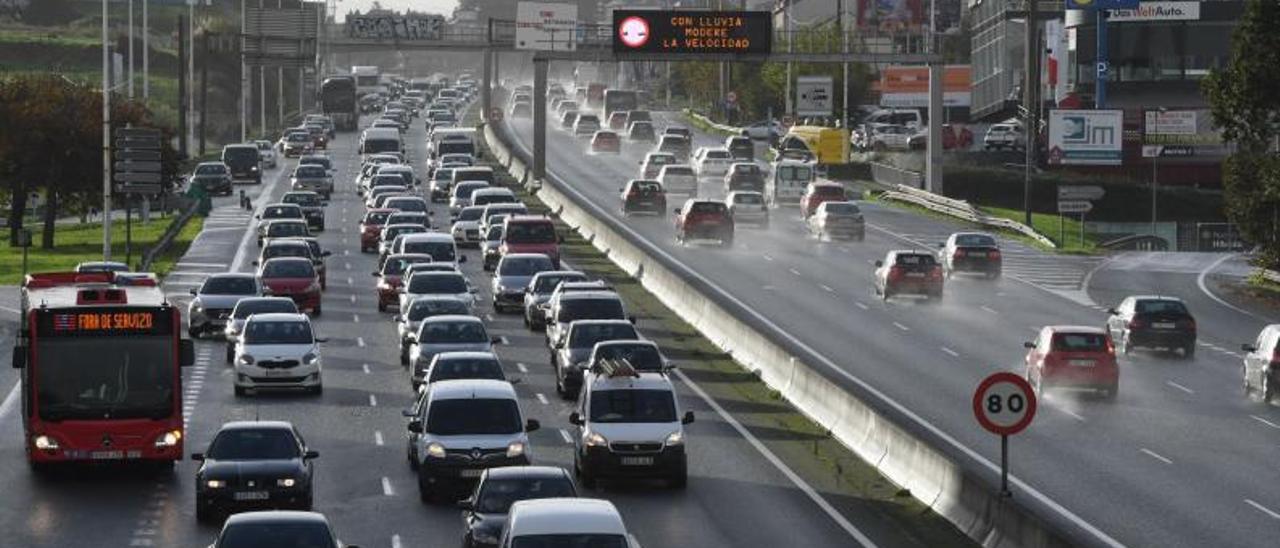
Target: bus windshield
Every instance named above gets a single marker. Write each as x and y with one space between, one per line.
116 377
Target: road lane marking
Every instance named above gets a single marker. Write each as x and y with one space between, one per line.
488 317
355 318
1204 288
1155 455
565 434
503 340
522 367
542 399
386 487
826 288
766 257
900 326
773 459
794 271
1254 417
347 266
989 310
1180 387
1263 509
377 437
10 399
951 352
861 305
351 281
360 342
353 299
346 252
365 368
1070 413
373 400
395 542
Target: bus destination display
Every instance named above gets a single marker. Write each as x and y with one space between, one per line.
665 31
63 323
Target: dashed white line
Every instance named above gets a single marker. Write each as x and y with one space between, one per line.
794 271
351 281
1265 421
826 288
1155 455
395 542
377 437
1180 387
355 318
522 367
386 487
488 317
861 305
503 340
989 310
365 368
346 252
1070 413
951 352
360 342
1263 509
900 326
353 299
565 434
542 399
347 266
373 400
766 257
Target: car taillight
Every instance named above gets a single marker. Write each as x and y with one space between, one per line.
1187 323
1111 347
1135 324
993 254
958 254
895 272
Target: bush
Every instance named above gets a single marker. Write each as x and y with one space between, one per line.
49 13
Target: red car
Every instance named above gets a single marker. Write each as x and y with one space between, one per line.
704 219
642 195
818 193
371 228
618 120
295 278
606 141
391 277
529 234
905 272
1073 357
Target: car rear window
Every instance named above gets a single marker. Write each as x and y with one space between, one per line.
540 232
752 199
588 335
466 368
1160 306
438 283
473 416
679 171
721 154
1079 342
426 307
914 259
835 208
641 357
229 286
211 169
547 284
288 269
591 309
826 190
524 266
376 217
707 207
246 308
281 212
975 240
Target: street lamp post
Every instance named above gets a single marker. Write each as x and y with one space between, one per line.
106 140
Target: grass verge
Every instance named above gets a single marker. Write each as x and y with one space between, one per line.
83 242
847 482
1064 230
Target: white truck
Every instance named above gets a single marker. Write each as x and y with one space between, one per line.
367 79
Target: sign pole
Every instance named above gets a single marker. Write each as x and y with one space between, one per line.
128 229
1155 167
1004 467
1082 229
1100 93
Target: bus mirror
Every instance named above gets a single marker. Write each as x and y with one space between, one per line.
187 349
19 357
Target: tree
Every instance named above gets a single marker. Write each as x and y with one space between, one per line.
1242 102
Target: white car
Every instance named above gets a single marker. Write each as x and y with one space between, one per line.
890 137
460 194
466 226
1000 136
653 162
679 179
278 351
267 154
712 161
748 207
247 307
573 521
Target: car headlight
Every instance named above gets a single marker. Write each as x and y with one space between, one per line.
310 358
215 484
435 450
596 440
45 443
246 359
676 438
196 307
286 482
515 449
254 168
169 439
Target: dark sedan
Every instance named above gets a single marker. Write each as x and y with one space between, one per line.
258 464
213 177
1151 321
278 529
485 513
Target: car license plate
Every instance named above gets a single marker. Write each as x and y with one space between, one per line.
1163 325
277 373
470 472
251 495
1081 363
915 274
637 461
106 455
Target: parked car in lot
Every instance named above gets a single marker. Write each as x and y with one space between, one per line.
971 252
1002 136
1261 368
643 196
704 219
252 464
1072 358
1152 321
906 272
748 207
837 221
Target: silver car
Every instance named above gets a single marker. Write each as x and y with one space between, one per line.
247 307
211 308
454 333
512 276
748 207
426 306
312 177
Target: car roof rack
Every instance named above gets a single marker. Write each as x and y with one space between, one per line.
618 367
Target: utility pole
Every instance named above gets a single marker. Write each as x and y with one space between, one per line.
280 80
130 71
146 53
183 106
106 140
244 77
191 70
204 87
933 164
1030 87
844 66
786 25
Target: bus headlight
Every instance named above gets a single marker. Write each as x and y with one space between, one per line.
45 443
169 439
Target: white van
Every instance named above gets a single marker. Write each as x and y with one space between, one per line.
450 140
908 117
787 182
377 140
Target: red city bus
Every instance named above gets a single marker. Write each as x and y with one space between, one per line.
101 358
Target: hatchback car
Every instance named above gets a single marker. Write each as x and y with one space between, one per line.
278 529
312 177
371 228
213 177
213 301
421 308
569 521
704 220
586 125
295 278
653 162
1074 358
1261 367
606 141
906 272
247 307
748 207
538 292
284 229
571 352
1152 321
452 284
484 513
679 179
818 193
643 196
254 464
641 132
278 351
971 252
744 176
312 207
837 221
712 161
512 275
391 277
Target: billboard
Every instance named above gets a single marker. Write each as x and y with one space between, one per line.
668 31
908 86
814 95
545 26
892 15
1186 134
1157 11
1086 137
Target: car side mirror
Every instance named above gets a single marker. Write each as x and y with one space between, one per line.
311 455
1028 344
532 425
466 504
326 253
198 457
1113 312
575 419
462 259
407 413
193 292
879 264
688 418
632 319
415 426
495 340
186 351
254 263
19 357
1248 348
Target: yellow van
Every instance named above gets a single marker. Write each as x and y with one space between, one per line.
830 146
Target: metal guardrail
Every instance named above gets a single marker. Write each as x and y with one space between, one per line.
889 175
170 233
733 130
961 209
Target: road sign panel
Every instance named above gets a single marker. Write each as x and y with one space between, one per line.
132 165
546 26
1004 403
1151 151
138 132
137 188
1080 192
136 155
814 95
1074 206
133 177
137 142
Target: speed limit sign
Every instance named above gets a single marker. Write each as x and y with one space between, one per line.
1004 404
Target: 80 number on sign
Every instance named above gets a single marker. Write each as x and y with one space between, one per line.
1004 404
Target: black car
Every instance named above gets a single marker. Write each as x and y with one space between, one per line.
641 195
1150 321
254 464
485 512
741 148
213 177
971 252
744 176
243 161
277 529
312 206
642 131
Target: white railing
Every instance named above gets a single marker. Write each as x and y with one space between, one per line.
890 175
960 209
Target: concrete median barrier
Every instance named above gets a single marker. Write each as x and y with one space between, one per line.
952 479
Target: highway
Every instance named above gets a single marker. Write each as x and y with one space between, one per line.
1181 458
737 496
